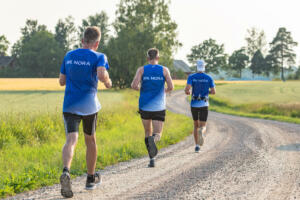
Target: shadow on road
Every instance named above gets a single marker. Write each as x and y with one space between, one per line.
289 147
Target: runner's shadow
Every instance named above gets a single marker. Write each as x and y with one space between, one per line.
289 147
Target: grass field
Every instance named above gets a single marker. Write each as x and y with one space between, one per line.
269 100
32 136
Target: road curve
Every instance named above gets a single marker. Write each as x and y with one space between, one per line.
242 158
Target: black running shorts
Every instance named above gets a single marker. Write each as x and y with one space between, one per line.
200 113
72 122
153 115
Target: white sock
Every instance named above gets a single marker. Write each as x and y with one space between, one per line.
197 145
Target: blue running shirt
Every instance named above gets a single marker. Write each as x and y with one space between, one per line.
80 68
152 93
201 83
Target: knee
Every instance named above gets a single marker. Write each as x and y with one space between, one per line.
72 139
90 140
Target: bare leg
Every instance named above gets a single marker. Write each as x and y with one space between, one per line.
196 128
91 153
157 128
148 127
68 149
202 125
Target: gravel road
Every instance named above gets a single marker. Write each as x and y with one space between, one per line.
242 158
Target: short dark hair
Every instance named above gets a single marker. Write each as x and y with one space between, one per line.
91 35
152 53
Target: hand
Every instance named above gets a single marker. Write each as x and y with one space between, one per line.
187 92
108 84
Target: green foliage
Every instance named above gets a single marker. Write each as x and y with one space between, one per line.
140 25
32 137
65 31
281 51
3 45
238 61
257 63
212 53
41 54
100 20
31 27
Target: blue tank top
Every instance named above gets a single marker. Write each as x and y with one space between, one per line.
152 93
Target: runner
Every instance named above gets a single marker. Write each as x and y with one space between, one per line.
80 71
152 102
202 85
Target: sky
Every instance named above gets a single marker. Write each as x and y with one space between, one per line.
226 21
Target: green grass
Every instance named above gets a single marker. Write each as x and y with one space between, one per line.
268 100
32 136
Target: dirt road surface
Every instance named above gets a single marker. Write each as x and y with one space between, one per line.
241 158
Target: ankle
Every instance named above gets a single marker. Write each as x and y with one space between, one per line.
65 169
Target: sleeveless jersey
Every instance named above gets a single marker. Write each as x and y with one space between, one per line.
152 93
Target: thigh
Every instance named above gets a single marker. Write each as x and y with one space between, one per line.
89 123
195 113
71 122
159 115
203 114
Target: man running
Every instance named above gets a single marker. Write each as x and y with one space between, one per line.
202 85
80 71
152 102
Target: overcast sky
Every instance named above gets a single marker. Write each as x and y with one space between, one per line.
223 20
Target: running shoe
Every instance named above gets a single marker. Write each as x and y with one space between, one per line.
66 188
200 136
152 147
92 182
151 163
197 149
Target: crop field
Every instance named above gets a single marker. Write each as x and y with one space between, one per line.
32 135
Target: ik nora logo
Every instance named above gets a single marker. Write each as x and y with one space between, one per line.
153 78
78 62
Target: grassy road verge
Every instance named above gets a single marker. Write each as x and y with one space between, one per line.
32 136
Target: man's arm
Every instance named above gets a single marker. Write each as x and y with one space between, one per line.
103 76
187 89
212 90
169 81
62 79
137 79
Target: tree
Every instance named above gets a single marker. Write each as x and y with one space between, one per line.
257 63
256 40
282 50
238 60
100 20
40 55
3 45
65 33
140 25
31 27
212 53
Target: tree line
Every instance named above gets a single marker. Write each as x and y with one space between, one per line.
138 26
261 58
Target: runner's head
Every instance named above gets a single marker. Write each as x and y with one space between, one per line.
91 37
200 66
153 55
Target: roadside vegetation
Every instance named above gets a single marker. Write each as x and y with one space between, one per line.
32 136
268 100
